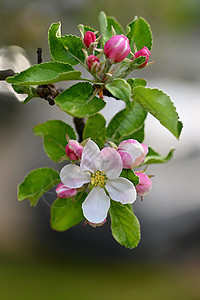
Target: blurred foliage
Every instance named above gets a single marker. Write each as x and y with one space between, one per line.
50 279
27 21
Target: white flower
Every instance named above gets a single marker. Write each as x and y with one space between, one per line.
102 170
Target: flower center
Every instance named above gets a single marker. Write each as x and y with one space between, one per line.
98 178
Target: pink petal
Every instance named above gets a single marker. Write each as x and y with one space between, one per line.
110 162
65 192
89 157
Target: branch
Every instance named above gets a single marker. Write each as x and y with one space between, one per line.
80 125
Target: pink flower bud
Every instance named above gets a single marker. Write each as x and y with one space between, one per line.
117 48
93 62
143 52
132 153
89 38
145 184
98 224
65 192
73 150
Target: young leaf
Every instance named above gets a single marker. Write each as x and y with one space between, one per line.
57 50
120 89
73 45
128 67
45 73
160 106
95 129
79 100
111 23
130 175
133 82
139 33
29 90
54 137
66 213
154 157
124 225
84 28
126 122
36 183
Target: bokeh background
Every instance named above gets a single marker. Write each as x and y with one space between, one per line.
86 263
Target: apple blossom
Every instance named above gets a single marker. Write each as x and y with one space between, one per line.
65 192
117 48
74 150
132 153
145 184
100 169
143 52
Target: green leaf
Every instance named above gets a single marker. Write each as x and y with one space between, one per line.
54 137
139 32
130 175
45 73
73 45
154 157
57 50
36 183
160 106
79 100
29 90
137 135
111 22
95 129
66 213
124 225
129 206
133 82
126 122
120 89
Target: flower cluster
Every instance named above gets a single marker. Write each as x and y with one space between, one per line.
99 172
116 49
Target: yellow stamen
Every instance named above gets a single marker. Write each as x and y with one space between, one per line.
98 178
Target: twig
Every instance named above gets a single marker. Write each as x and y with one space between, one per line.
39 53
6 73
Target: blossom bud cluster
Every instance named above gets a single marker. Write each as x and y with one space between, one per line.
115 50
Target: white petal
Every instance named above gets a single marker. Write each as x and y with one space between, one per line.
89 156
121 190
73 177
110 162
96 205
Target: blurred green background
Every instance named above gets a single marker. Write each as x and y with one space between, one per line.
86 263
